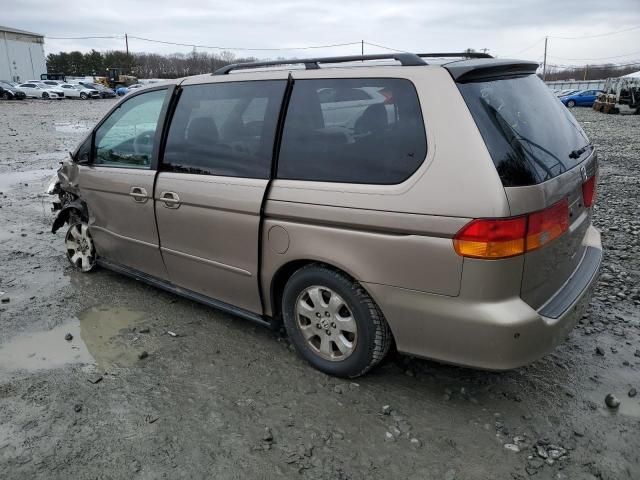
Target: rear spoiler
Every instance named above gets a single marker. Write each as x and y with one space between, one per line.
483 69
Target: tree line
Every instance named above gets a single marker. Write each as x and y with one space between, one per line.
590 72
175 65
141 65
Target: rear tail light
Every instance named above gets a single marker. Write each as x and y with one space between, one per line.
507 237
589 192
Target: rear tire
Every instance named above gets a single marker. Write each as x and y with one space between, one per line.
342 332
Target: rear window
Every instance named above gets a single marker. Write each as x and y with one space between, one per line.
364 130
531 136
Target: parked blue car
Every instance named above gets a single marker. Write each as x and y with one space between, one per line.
586 98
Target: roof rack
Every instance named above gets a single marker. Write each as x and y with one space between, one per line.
405 59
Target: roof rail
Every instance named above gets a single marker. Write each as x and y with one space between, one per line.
455 55
405 59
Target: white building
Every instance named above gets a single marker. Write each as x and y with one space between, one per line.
21 55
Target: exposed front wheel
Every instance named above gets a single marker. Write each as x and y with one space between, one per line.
571 103
333 323
81 251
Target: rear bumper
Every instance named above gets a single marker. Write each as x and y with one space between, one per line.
494 335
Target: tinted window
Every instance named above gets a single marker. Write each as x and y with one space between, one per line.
352 131
225 129
127 137
530 135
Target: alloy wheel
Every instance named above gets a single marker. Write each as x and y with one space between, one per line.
326 323
80 249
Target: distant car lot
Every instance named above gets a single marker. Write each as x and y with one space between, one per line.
54 90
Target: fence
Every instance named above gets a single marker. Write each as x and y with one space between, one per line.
576 84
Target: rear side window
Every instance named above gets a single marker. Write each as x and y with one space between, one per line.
365 130
531 136
224 129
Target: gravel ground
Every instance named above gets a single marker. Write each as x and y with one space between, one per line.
228 399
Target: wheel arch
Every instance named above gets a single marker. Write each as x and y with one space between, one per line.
78 206
285 271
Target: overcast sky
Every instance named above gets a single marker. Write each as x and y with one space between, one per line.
506 27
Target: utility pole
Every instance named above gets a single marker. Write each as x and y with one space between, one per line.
586 67
362 47
126 43
544 64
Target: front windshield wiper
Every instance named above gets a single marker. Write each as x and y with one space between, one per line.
575 154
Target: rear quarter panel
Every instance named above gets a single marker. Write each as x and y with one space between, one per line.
397 235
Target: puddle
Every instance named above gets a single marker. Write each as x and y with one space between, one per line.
44 350
9 180
72 127
99 337
100 328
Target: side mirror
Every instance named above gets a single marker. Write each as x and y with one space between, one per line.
83 154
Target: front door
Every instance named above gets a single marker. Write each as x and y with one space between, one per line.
211 185
117 185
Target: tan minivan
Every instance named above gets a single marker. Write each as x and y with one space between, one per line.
443 207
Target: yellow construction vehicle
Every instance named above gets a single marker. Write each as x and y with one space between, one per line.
115 79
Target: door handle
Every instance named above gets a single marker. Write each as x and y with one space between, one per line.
170 199
139 194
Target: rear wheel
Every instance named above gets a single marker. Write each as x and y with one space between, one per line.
81 251
45 95
571 103
333 323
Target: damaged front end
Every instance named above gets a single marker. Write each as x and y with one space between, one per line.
71 209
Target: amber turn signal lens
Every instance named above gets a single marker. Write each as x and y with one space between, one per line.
493 238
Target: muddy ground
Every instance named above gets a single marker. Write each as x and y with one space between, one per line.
229 399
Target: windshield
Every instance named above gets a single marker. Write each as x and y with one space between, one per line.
530 135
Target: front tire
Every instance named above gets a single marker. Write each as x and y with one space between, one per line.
83 96
45 96
81 251
6 96
571 103
333 323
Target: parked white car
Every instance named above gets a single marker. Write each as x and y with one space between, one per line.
51 83
79 91
40 90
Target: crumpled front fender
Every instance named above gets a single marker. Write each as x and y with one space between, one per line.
76 206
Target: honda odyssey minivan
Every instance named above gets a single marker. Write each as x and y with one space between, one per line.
436 202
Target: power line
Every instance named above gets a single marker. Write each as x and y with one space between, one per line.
192 45
597 35
386 48
524 50
244 48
